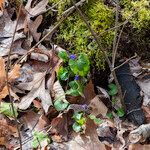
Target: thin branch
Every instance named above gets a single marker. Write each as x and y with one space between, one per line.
125 62
80 3
116 48
7 81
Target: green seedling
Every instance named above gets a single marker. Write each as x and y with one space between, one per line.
80 121
6 109
39 137
96 120
75 71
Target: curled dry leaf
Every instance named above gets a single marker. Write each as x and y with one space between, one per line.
59 92
103 93
140 134
37 91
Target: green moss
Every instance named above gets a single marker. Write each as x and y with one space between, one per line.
75 33
142 19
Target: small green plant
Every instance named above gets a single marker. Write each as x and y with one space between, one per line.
75 70
61 105
39 137
80 121
96 120
6 109
120 112
113 92
113 89
110 115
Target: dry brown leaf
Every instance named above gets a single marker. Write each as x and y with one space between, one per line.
4 93
38 9
59 92
37 88
146 110
37 104
98 107
87 141
1 4
7 133
14 74
139 147
60 128
31 120
6 33
89 92
33 26
2 73
39 57
51 80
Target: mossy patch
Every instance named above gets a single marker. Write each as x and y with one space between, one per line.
141 20
75 33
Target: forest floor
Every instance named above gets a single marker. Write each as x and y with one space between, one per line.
51 99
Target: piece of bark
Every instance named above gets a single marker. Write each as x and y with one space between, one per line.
132 97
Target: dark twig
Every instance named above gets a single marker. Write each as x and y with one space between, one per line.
116 47
7 81
125 62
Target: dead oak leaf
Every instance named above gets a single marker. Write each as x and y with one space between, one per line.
37 91
37 9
